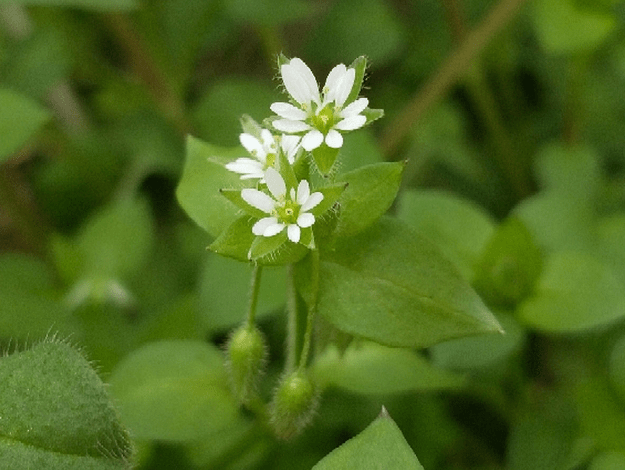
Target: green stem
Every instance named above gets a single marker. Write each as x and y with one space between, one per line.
312 308
254 289
291 305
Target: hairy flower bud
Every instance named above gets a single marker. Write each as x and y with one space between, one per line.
247 353
294 404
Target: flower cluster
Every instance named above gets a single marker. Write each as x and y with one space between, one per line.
312 121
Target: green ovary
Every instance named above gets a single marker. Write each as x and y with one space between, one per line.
288 213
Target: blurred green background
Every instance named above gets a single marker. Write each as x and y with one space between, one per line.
511 114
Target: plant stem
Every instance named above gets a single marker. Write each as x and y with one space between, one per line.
312 308
448 74
254 289
144 66
291 306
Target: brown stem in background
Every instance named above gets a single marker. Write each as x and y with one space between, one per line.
453 68
143 66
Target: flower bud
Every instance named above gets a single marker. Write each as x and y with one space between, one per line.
247 353
294 404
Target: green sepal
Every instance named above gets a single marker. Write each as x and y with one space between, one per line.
264 246
234 196
371 191
307 238
282 59
324 158
331 194
235 241
250 126
286 170
283 252
359 65
372 115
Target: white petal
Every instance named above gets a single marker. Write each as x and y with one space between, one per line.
259 227
269 144
312 140
275 183
246 166
273 230
288 111
334 139
253 146
351 123
333 81
345 87
312 201
287 125
305 219
290 146
303 192
354 108
259 200
293 232
307 76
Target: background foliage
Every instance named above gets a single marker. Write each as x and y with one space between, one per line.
511 117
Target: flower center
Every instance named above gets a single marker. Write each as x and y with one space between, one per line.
289 212
324 119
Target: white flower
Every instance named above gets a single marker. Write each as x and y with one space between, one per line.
284 210
264 151
320 116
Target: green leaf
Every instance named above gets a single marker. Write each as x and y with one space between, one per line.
393 286
381 445
202 178
601 413
479 352
369 368
575 292
372 115
97 5
540 440
359 149
29 303
608 461
571 170
558 222
457 226
21 117
236 241
510 264
56 413
617 367
563 28
174 391
370 192
117 240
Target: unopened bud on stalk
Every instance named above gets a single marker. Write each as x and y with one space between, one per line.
247 356
294 404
